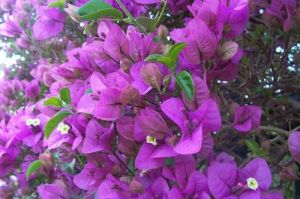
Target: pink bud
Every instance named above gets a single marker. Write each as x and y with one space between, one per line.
162 31
152 75
126 147
72 11
289 173
130 95
136 186
46 159
125 65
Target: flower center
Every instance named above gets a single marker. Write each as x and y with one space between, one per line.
151 140
33 122
252 183
63 128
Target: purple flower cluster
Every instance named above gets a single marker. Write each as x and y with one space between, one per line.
130 130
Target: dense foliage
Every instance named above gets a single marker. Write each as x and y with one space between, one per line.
163 99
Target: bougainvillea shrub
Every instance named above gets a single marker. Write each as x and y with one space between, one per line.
150 99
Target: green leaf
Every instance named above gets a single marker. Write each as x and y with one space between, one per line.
171 58
160 58
88 28
34 166
53 101
174 53
252 146
131 165
96 9
255 148
262 153
93 6
64 94
43 90
175 50
169 162
186 83
147 23
54 121
57 4
110 13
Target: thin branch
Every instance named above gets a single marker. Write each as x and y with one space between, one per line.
274 129
129 15
266 128
123 163
161 14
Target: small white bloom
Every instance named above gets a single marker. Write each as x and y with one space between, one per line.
28 122
36 122
63 128
33 122
60 125
14 180
151 140
252 183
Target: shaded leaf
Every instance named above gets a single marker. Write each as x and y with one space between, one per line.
175 50
64 94
255 148
252 145
147 23
169 162
186 83
34 166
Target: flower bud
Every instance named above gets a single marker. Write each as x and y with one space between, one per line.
232 108
130 95
166 49
126 147
289 173
152 123
125 65
72 11
172 140
116 170
162 32
152 75
166 81
136 187
23 42
46 159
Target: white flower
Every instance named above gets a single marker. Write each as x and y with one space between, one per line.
29 122
151 140
33 122
252 183
63 128
36 122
